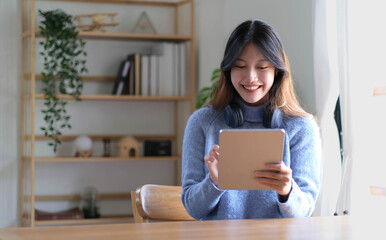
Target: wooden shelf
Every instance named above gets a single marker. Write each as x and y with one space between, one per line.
106 196
129 2
102 159
119 36
133 36
102 220
120 98
101 137
83 78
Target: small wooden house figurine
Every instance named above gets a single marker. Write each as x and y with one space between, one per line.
128 147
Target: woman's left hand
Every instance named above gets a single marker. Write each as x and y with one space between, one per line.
277 177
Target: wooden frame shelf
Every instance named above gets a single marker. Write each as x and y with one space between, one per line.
101 220
130 2
133 37
83 78
101 137
107 97
121 36
102 159
179 29
106 196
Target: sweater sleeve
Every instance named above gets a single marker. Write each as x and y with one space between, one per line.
199 195
305 150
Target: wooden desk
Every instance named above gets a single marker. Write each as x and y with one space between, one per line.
293 228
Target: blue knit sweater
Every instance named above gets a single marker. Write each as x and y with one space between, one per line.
203 200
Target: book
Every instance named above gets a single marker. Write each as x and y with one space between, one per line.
175 67
157 77
165 53
182 78
134 78
120 85
188 69
137 64
145 75
131 76
154 72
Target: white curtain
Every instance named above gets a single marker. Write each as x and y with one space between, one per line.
350 50
365 113
326 95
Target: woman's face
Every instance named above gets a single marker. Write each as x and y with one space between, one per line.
252 75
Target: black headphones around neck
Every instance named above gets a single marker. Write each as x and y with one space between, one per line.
234 115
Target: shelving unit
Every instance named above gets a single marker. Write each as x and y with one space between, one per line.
30 137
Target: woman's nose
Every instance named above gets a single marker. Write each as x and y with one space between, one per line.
253 77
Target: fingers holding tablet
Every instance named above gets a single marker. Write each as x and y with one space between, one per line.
276 176
212 163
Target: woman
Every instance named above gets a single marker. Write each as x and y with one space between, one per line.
255 91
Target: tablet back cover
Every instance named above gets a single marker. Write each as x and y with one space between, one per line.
242 152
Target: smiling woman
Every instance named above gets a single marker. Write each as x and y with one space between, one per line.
252 75
254 91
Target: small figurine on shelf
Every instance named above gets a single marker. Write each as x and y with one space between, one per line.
97 21
144 25
128 147
90 203
83 146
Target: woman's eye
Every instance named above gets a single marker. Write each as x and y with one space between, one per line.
262 68
239 66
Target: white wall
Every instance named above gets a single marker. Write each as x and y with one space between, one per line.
293 20
215 19
9 111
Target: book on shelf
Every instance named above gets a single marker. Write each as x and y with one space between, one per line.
134 74
172 68
120 85
161 73
165 53
175 69
154 76
145 74
137 65
182 73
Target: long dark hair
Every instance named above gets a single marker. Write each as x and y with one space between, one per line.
281 94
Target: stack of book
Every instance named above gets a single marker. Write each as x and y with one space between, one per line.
161 73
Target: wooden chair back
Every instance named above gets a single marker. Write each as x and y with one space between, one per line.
158 202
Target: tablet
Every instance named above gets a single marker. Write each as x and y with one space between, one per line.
242 152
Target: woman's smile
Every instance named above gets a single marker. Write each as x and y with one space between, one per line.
252 88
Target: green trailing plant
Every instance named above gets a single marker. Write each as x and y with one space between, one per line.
206 94
64 59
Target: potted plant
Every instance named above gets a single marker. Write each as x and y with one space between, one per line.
206 94
64 59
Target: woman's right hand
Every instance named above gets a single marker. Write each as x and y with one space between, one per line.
212 161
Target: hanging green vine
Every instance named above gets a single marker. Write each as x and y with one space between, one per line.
64 59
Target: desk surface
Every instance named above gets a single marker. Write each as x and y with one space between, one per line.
292 228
